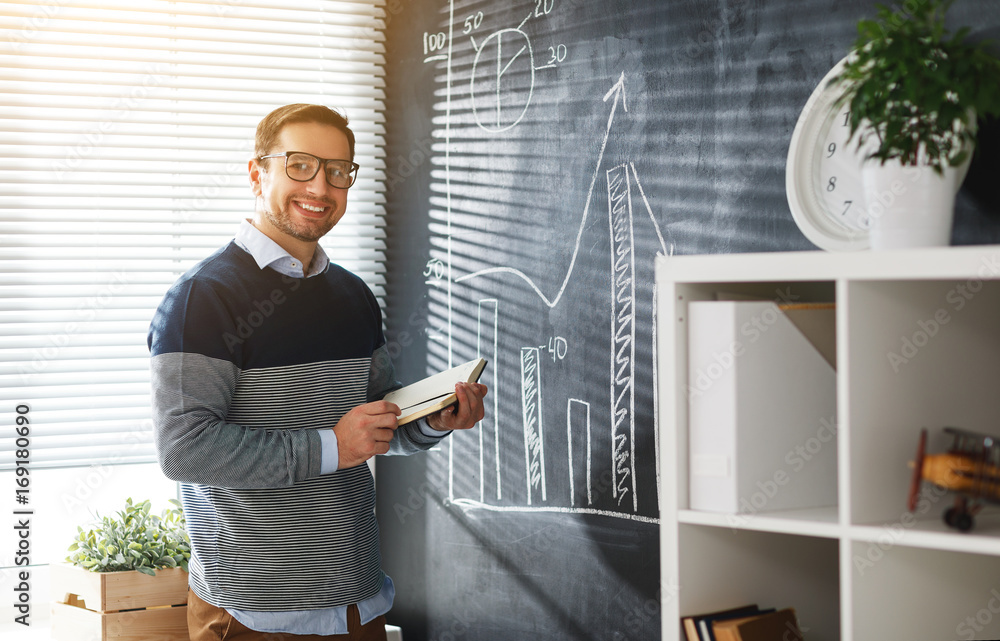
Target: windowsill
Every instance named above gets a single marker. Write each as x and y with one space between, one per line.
42 632
25 633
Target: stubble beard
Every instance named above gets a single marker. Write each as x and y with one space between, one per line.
282 220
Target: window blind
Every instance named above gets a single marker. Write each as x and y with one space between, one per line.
125 131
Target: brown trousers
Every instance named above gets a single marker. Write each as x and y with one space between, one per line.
207 622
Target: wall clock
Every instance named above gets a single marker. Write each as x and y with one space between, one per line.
823 173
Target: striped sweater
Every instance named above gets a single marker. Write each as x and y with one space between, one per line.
246 365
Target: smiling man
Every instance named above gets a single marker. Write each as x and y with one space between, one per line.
268 366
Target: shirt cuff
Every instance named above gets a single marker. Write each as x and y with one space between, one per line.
329 452
430 432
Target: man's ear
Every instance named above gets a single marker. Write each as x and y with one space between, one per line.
254 169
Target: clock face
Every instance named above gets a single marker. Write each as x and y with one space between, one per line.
823 173
839 175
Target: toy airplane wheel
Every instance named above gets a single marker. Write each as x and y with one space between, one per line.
964 522
960 516
958 519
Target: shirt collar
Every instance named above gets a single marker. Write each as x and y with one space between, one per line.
268 253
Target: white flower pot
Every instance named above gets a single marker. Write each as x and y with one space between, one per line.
910 206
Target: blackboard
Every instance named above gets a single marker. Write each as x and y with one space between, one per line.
541 153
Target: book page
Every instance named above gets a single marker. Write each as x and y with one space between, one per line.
434 392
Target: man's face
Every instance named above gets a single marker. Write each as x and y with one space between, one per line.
302 210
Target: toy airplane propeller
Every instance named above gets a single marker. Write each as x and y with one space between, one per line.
970 468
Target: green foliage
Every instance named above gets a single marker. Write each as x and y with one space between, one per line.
135 540
917 88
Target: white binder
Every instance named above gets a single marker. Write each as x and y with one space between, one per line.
761 406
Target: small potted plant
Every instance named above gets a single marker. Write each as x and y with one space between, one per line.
125 577
914 91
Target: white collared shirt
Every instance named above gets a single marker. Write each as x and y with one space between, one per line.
268 253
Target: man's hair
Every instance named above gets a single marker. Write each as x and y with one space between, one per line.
270 127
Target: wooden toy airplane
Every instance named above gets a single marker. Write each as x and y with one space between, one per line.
970 468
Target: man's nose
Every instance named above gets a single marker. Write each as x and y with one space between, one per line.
318 182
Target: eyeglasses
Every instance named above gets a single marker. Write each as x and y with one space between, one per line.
303 167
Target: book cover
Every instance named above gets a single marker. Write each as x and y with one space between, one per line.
729 629
435 392
726 630
700 625
782 624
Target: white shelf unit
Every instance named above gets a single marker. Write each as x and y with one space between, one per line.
918 346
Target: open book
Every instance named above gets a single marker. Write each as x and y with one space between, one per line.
434 392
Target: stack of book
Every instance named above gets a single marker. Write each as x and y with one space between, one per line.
746 623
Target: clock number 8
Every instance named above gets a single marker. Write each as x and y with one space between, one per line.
831 184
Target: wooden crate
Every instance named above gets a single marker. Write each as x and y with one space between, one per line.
125 606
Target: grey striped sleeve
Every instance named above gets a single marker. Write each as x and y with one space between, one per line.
191 395
409 439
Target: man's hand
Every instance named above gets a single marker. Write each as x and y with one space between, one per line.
364 432
463 415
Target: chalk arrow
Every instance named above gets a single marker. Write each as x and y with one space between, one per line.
617 91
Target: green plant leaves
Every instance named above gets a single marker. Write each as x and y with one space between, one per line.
134 540
916 89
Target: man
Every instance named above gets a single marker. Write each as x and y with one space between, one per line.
268 363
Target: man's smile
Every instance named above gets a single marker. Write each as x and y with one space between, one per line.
311 209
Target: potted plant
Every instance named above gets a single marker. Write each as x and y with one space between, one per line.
914 92
126 578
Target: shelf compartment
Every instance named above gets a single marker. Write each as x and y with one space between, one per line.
928 581
723 568
680 295
901 592
922 354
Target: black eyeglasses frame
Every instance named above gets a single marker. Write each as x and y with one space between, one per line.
323 162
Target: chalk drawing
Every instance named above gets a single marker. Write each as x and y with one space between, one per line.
622 335
578 412
531 406
502 55
487 329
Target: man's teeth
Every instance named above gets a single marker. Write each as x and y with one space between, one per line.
311 208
